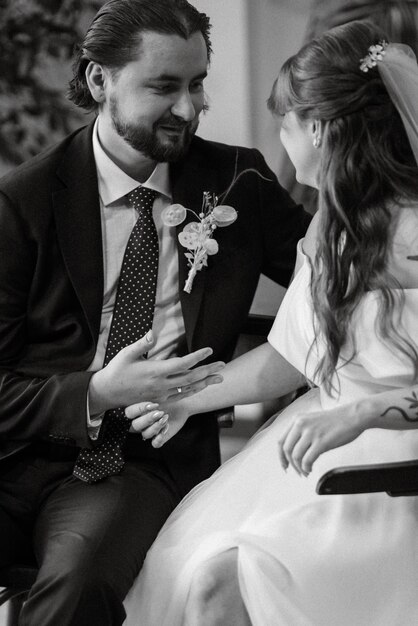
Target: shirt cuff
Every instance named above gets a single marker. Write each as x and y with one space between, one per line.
93 423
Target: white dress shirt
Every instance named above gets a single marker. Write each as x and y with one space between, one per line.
118 220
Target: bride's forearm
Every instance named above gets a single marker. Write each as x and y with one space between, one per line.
258 375
397 410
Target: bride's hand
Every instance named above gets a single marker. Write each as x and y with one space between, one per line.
310 435
172 415
175 411
147 419
178 415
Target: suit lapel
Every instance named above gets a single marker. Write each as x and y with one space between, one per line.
77 214
189 179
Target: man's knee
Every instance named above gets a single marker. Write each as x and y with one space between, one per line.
77 564
75 596
76 586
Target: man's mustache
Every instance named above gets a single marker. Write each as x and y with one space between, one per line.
174 123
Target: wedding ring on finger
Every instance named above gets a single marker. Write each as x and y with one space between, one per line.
179 390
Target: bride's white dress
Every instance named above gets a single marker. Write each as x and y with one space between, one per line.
303 559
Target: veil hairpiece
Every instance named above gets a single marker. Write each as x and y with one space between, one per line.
398 70
374 54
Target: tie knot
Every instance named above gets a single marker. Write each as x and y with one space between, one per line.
141 198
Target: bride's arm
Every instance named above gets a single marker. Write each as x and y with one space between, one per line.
258 375
310 435
396 410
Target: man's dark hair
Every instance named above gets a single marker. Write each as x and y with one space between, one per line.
115 33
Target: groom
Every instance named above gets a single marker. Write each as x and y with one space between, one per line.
78 490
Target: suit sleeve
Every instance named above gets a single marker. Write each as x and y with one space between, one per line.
283 224
33 407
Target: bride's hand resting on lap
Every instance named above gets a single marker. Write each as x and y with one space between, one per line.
312 434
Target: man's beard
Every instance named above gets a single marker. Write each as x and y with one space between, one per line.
146 141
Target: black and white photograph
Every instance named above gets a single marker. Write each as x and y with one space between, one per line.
208 312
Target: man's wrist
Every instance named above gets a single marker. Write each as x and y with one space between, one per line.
98 394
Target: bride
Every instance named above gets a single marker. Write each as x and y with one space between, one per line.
255 544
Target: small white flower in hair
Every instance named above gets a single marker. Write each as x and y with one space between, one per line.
375 53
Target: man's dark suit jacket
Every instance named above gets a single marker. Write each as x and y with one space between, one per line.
51 287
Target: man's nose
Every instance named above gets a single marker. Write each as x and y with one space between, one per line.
184 107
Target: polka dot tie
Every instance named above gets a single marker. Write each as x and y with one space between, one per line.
132 318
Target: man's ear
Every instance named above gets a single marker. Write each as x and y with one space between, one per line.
96 78
316 130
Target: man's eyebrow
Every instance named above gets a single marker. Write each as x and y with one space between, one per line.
176 79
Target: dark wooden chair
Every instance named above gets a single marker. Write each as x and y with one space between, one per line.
396 479
16 582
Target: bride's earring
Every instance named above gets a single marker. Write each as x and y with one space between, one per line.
316 131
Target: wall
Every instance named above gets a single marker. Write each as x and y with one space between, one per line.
251 40
227 85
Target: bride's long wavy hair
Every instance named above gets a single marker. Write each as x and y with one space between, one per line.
367 168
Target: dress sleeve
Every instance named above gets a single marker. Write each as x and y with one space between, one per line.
292 333
381 359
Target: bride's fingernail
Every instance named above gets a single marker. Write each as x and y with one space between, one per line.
163 420
158 414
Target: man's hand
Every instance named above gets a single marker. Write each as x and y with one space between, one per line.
130 379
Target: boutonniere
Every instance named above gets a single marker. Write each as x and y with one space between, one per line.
198 236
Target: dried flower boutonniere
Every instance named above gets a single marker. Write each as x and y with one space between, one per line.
197 236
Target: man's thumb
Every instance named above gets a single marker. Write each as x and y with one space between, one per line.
142 346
